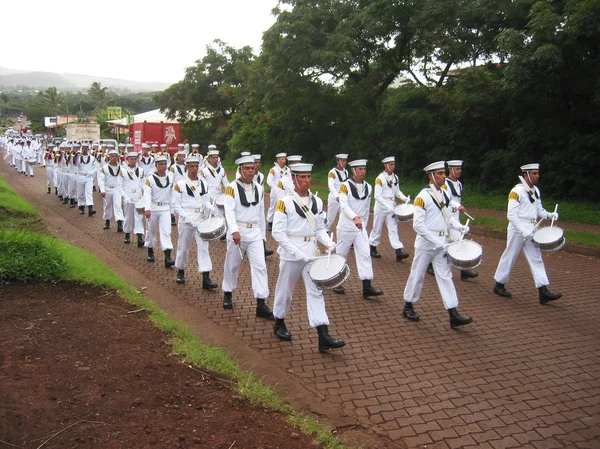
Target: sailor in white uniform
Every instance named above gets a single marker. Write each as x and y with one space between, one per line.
275 174
87 169
214 176
110 184
335 177
133 187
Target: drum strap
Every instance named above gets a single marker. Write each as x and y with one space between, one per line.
193 191
133 175
441 200
304 211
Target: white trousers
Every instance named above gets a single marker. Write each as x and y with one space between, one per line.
362 252
85 195
50 177
333 208
379 218
112 206
289 271
27 168
72 180
134 221
443 277
514 245
258 267
188 233
272 204
162 221
64 184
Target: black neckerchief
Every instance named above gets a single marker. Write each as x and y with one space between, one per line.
148 162
137 172
85 162
313 208
111 172
339 174
531 199
259 175
453 190
190 192
354 190
394 181
179 169
242 192
445 198
157 181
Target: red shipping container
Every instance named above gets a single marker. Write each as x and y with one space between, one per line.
159 133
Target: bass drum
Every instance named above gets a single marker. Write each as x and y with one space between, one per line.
328 272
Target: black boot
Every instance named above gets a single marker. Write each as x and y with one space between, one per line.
60 197
72 202
168 262
49 190
150 257
374 253
458 320
339 290
400 255
140 240
181 276
107 224
409 312
91 211
369 290
262 310
269 226
547 296
120 226
65 199
430 270
173 222
94 189
326 341
268 252
81 210
207 284
227 300
56 190
127 237
281 331
501 291
467 274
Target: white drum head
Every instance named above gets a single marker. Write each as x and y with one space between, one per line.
210 224
319 270
465 250
404 210
548 235
220 201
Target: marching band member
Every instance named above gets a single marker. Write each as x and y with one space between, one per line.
72 174
387 189
50 167
191 202
133 190
355 202
110 184
524 208
246 231
336 176
178 168
214 176
297 225
157 202
87 168
146 162
28 153
275 174
431 223
63 168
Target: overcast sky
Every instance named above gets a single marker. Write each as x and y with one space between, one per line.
128 39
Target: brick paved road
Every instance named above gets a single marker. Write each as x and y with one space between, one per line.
522 375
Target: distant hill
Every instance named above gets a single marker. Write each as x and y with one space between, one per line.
70 81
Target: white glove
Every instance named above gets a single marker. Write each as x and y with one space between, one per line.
552 216
300 256
439 247
527 236
331 247
211 208
464 229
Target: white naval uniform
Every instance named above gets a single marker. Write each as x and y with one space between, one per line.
297 236
334 180
72 176
216 180
524 208
110 182
454 189
63 175
244 213
387 189
275 174
178 172
28 152
133 188
191 213
146 164
431 227
157 199
87 167
50 170
355 200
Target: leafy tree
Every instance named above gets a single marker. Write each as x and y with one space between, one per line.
98 95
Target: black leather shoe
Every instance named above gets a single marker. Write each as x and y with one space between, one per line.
501 291
120 226
280 330
338 290
150 257
409 312
468 274
207 284
180 277
326 341
168 261
81 210
430 270
546 295
458 320
140 242
106 224
262 310
72 203
369 290
227 300
268 252
91 211
374 253
49 190
400 256
127 238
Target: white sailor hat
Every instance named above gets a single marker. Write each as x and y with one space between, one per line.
256 157
129 145
180 145
454 163
180 153
439 165
212 147
85 145
160 158
530 167
121 145
145 145
50 145
341 156
358 163
131 154
245 153
278 155
389 159
244 160
163 145
212 153
302 167
112 151
294 158
195 145
192 160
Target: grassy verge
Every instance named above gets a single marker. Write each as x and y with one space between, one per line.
15 212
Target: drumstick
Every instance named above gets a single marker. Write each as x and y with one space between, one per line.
471 218
213 205
240 250
555 209
329 252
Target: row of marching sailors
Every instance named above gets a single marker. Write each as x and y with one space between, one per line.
23 153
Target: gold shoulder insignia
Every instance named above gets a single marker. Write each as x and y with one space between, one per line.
201 173
176 188
280 206
280 185
513 196
444 186
378 181
148 182
229 191
171 169
343 189
331 175
272 171
102 170
419 202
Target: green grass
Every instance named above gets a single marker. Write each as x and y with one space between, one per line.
15 212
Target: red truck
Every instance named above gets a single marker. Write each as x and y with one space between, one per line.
159 133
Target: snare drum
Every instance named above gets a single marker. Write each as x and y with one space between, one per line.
404 212
32 161
465 255
212 229
328 272
549 238
220 203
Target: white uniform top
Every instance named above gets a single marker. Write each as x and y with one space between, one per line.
146 164
110 178
275 174
49 157
214 179
244 210
28 151
335 179
73 169
185 204
178 172
86 165
290 225
133 183
429 222
158 192
387 189
355 200
524 208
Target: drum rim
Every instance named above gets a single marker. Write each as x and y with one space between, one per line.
322 258
346 275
